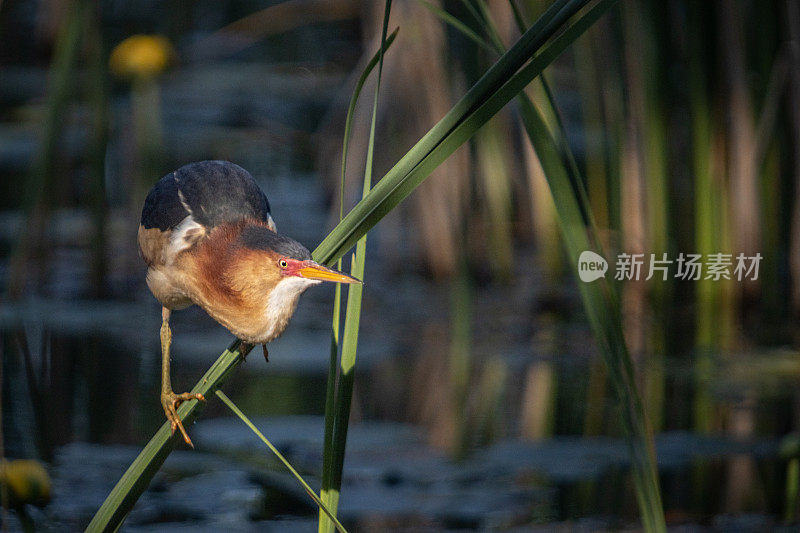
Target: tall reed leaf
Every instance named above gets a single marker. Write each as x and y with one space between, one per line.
603 311
600 302
330 395
599 298
509 75
336 426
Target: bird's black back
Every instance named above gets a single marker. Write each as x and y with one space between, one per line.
212 192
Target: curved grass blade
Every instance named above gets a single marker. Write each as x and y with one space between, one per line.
232 406
457 24
348 124
600 301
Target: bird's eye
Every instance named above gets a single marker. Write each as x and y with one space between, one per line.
283 263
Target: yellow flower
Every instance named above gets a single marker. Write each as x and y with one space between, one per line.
27 482
141 56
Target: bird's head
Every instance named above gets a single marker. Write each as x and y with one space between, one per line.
275 265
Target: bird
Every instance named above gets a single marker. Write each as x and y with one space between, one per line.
208 239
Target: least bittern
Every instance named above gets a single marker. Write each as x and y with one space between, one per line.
208 239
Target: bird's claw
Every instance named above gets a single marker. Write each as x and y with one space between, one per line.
170 402
245 349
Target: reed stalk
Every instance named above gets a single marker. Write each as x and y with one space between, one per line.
460 360
39 191
337 418
98 97
713 327
492 157
599 298
329 494
792 490
645 199
138 475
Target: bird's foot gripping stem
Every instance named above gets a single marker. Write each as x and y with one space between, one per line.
170 402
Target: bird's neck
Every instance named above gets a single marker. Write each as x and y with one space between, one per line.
281 304
259 317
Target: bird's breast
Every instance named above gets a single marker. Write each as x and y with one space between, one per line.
261 321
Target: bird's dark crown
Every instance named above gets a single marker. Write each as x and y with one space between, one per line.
258 237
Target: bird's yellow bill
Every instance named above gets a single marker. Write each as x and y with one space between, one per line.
322 273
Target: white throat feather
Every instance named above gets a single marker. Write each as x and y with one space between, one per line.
281 304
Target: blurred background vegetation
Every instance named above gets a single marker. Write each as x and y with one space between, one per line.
481 388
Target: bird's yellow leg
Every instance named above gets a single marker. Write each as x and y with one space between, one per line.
169 400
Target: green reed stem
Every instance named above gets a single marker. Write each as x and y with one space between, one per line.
342 399
792 489
599 298
330 494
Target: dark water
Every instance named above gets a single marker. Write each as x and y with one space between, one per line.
100 406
